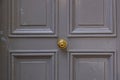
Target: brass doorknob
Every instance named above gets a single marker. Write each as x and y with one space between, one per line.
62 43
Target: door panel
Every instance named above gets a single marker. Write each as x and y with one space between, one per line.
92 66
92 35
32 35
29 66
92 18
33 18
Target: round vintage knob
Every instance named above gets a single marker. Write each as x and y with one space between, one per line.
62 43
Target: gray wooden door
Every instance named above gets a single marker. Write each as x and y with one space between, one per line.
33 28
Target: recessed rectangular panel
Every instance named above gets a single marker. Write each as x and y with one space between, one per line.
91 66
33 12
33 67
33 18
94 70
92 18
33 70
89 12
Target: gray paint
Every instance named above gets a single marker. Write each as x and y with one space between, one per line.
30 51
25 66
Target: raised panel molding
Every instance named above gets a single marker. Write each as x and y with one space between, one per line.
95 65
33 18
30 65
92 18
